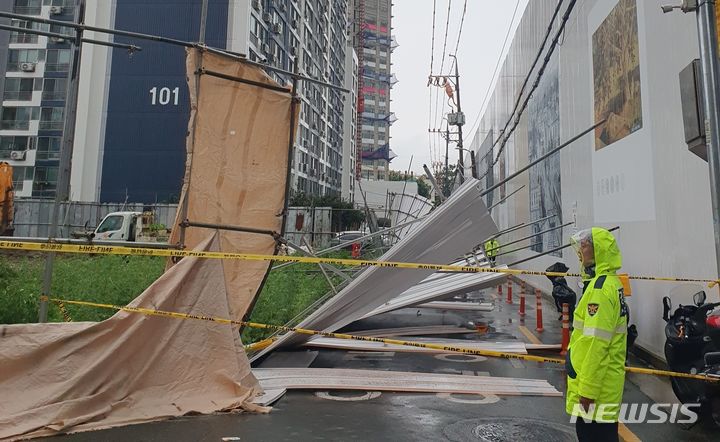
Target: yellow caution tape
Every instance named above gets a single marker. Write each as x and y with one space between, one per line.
64 311
260 345
121 250
447 348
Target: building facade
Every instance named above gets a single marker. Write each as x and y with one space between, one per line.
620 60
133 109
374 43
309 35
349 125
34 82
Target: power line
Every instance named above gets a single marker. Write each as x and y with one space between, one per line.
432 41
462 21
442 61
432 62
541 71
497 67
447 27
537 58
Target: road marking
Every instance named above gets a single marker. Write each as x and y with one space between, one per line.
626 435
369 355
365 397
477 399
454 357
528 334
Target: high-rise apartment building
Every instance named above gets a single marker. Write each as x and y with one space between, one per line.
133 109
313 35
34 80
350 124
374 43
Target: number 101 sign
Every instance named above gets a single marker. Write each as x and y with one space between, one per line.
164 96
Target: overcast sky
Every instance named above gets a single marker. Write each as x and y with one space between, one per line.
486 23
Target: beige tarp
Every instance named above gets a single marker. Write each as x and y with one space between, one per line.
238 148
133 368
130 368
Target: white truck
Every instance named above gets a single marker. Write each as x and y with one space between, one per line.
131 227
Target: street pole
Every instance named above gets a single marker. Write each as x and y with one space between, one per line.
461 164
62 190
446 177
203 21
711 99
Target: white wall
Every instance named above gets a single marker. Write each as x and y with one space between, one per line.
92 106
663 206
349 119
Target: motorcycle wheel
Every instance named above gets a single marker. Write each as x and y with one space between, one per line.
714 409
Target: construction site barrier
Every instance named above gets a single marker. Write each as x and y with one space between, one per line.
522 299
565 329
447 348
509 292
173 253
538 311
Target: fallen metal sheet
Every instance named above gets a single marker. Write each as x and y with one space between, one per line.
290 359
269 397
440 287
379 380
415 331
438 239
451 305
349 344
543 346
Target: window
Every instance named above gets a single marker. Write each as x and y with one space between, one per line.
111 224
48 148
45 181
54 89
18 57
18 37
29 7
18 118
19 89
9 144
58 60
58 29
51 118
20 174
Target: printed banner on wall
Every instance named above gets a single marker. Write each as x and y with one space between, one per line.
616 75
543 136
622 160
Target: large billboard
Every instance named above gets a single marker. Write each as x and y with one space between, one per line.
616 74
544 136
148 104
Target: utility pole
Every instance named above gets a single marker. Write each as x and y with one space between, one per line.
456 118
707 38
460 120
203 20
62 191
447 149
445 134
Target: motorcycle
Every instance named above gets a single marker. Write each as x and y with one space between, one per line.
692 345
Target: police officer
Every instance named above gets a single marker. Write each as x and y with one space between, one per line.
595 359
491 249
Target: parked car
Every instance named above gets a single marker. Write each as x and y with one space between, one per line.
345 236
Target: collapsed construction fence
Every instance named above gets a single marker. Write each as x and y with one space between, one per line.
32 219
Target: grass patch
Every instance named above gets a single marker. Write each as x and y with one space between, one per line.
120 279
287 292
103 278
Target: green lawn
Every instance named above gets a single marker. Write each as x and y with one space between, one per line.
118 280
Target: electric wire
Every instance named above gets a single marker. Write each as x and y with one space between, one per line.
497 68
505 135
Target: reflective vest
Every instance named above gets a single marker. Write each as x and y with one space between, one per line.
595 360
491 248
